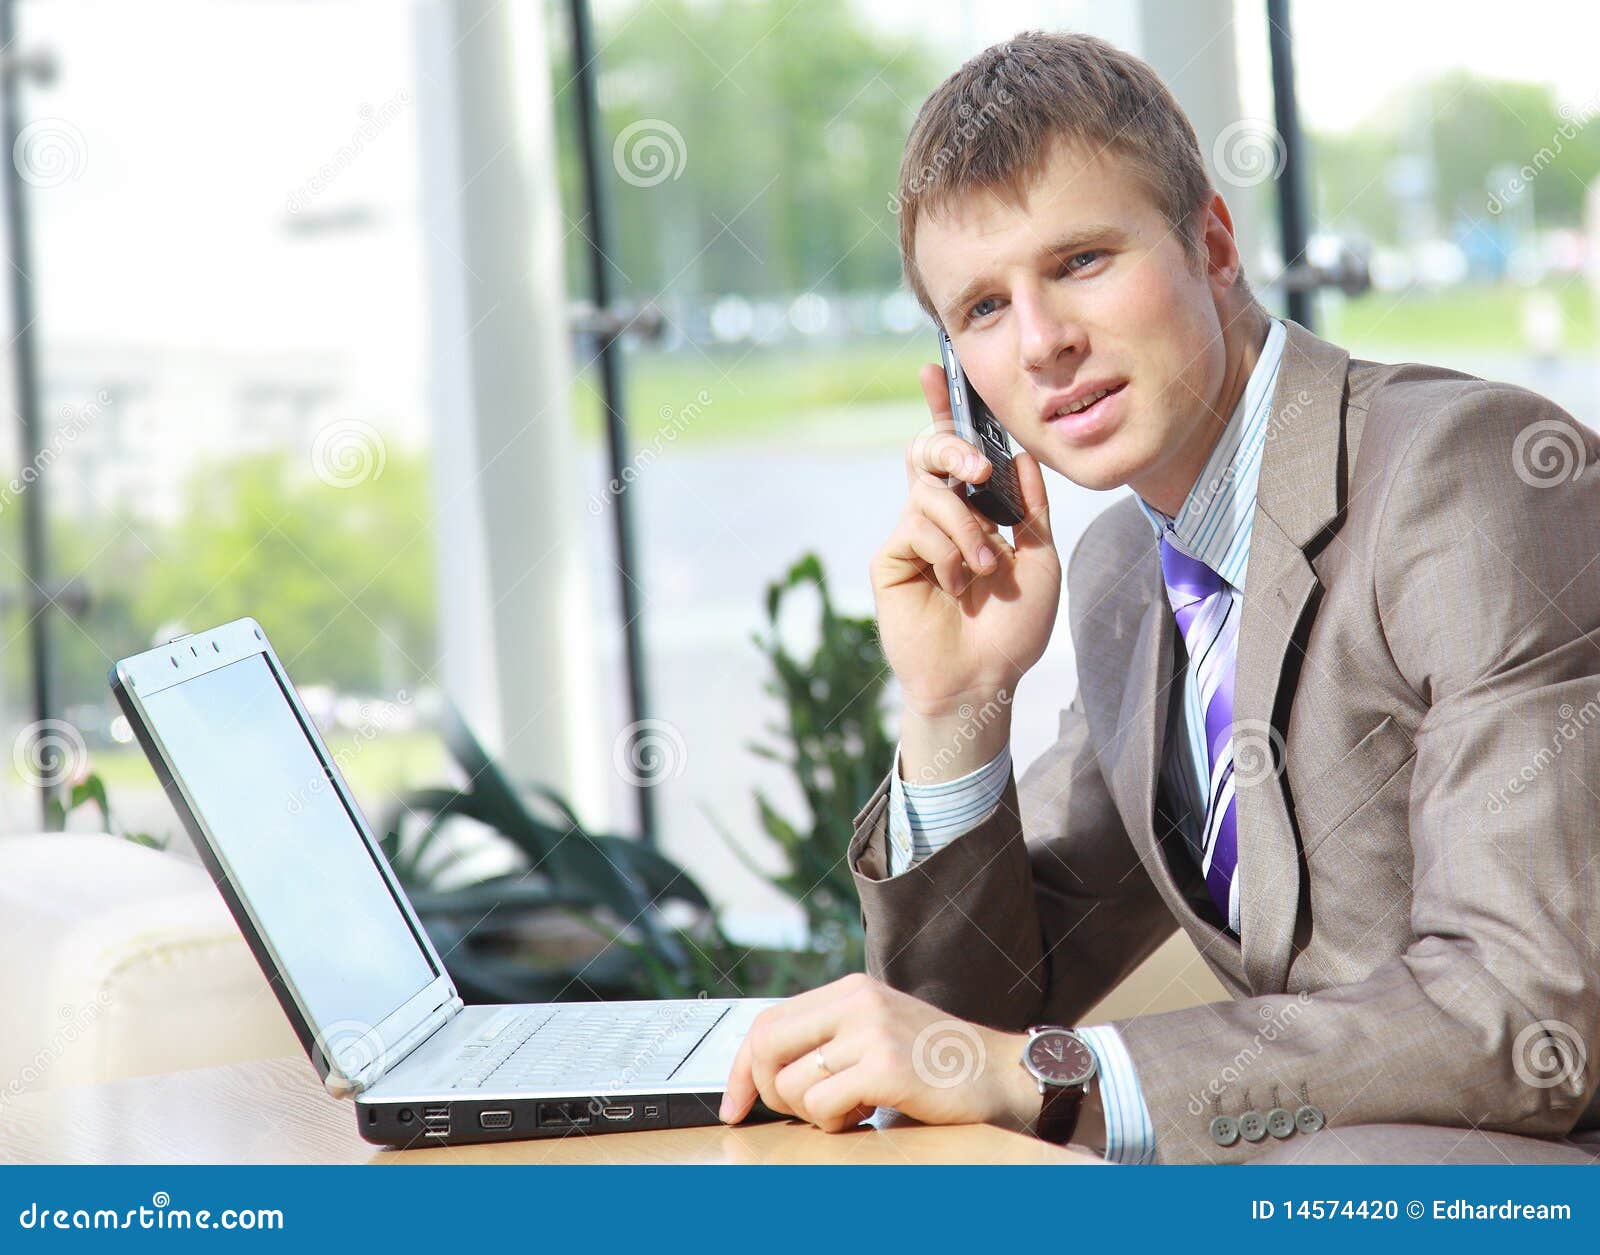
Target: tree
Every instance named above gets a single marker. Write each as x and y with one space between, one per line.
791 120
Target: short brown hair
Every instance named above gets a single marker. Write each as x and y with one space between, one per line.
993 124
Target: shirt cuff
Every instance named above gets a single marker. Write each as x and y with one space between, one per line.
1130 1135
924 818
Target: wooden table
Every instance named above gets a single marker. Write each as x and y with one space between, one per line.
275 1111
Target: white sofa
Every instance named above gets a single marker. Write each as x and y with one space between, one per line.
121 961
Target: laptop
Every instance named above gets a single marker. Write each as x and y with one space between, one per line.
343 949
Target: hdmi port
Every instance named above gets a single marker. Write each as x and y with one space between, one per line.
617 1113
494 1119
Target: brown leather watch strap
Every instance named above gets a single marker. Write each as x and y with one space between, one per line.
1058 1113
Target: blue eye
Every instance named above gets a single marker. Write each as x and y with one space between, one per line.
977 310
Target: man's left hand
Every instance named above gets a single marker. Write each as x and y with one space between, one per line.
831 1056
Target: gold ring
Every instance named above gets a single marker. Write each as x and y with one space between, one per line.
822 1064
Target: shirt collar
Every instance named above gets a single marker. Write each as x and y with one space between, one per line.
1214 522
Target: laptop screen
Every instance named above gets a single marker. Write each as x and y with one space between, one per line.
294 850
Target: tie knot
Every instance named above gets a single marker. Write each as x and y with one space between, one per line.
1188 579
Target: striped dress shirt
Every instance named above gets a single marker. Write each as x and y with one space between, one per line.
1214 526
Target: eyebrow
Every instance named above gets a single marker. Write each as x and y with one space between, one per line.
1059 249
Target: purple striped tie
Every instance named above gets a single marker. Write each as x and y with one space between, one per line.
1203 604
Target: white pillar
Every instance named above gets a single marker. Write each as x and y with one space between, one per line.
515 621
1190 44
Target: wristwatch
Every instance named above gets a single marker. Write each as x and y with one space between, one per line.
1063 1065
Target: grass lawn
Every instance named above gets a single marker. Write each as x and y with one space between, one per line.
693 394
376 769
1476 316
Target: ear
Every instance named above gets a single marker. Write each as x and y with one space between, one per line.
1221 252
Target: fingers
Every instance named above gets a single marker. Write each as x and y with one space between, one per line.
1033 533
922 543
739 1094
937 394
841 1101
977 538
785 1038
796 1080
937 450
780 1036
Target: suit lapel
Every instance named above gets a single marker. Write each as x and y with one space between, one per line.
1136 755
1135 761
1298 496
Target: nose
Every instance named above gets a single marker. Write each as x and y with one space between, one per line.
1045 332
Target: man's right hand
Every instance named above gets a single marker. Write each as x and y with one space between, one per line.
962 615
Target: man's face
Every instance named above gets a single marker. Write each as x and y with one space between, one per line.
1084 287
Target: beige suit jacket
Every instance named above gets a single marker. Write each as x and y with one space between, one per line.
1417 745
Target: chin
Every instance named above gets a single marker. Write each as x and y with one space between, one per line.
1099 469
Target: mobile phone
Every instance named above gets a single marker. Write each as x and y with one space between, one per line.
1000 496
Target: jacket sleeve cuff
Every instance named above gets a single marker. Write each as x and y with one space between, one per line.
924 818
1130 1134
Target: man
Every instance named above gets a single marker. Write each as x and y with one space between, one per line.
1338 669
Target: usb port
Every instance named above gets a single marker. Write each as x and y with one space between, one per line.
617 1113
494 1119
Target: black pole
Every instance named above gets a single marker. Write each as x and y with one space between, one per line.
35 549
588 113
1293 213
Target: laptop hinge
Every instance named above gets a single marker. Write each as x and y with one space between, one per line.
387 1060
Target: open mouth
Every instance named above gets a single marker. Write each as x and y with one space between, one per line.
1087 408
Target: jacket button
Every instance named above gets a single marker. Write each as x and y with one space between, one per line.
1280 1122
1308 1119
1224 1130
1252 1126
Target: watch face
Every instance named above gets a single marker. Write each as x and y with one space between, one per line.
1057 1057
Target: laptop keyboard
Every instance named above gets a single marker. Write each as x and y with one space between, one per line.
597 1047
